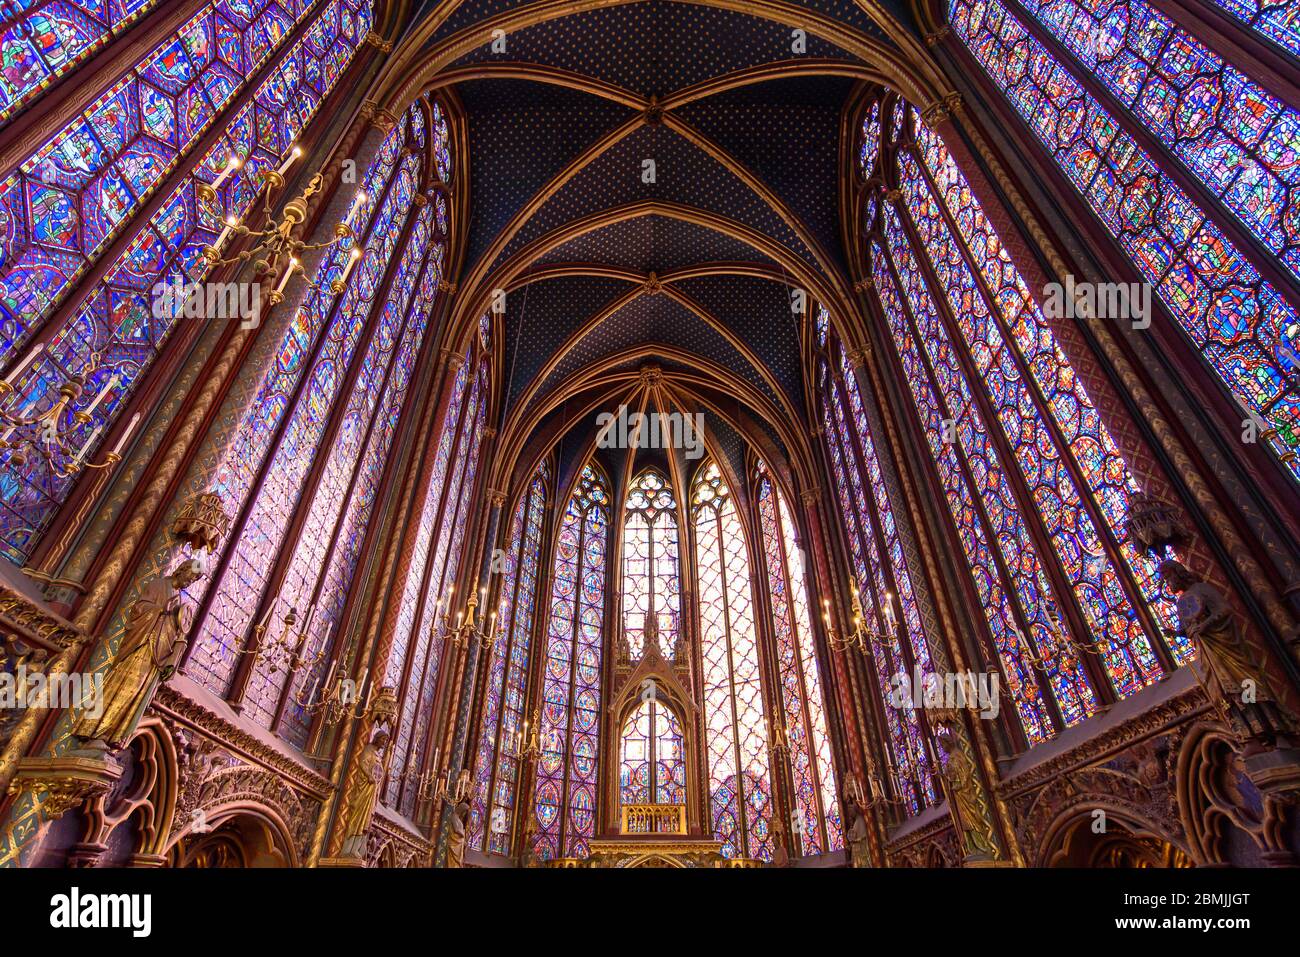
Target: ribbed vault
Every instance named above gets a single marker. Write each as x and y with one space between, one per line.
649 184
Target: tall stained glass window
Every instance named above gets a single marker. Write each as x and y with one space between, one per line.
735 729
452 485
60 208
1074 609
651 582
1183 159
884 585
505 728
816 820
565 794
315 444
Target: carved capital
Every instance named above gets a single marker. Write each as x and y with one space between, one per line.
867 282
453 359
940 111
810 496
447 287
496 497
938 36
1155 524
380 118
857 358
378 42
894 196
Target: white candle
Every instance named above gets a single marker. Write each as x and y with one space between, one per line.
311 694
269 609
288 161
357 203
126 434
19 369
81 454
311 614
108 386
352 261
232 164
288 274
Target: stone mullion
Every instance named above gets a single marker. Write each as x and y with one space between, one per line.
239 522
1193 435
525 782
404 414
412 683
845 722
868 539
1264 62
781 769
448 681
174 361
498 745
847 673
1033 519
1260 256
491 527
858 459
316 471
804 707
51 109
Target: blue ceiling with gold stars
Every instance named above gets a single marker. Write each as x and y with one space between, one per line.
627 218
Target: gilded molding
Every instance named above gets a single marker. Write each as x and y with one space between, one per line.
35 623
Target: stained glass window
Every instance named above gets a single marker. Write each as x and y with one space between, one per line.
411 751
76 191
315 444
565 796
1278 20
736 734
816 823
1006 415
883 581
1232 136
505 729
652 762
413 659
118 329
651 582
41 40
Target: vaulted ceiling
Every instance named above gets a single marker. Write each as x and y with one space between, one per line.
608 268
